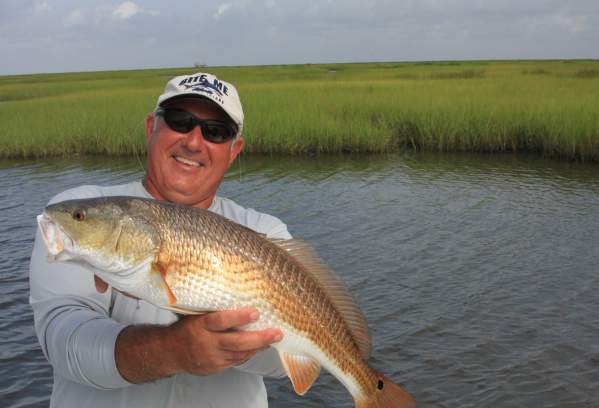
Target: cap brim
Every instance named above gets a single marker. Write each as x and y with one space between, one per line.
184 97
187 97
178 98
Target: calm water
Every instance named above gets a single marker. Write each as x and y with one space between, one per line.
478 275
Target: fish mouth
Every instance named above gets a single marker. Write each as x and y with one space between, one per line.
188 162
58 243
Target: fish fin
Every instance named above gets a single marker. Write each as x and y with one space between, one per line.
126 294
174 309
335 289
302 371
387 394
183 311
160 270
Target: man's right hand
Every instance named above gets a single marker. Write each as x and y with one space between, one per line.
210 343
201 345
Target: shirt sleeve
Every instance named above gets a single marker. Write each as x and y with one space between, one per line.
72 320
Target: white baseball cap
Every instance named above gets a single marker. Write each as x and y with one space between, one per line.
207 86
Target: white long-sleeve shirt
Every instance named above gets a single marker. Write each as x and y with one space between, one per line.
77 328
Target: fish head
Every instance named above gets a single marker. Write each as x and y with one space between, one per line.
110 235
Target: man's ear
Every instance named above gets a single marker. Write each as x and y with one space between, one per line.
236 147
150 119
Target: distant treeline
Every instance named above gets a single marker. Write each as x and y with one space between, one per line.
547 107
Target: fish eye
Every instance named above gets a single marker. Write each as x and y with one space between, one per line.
79 215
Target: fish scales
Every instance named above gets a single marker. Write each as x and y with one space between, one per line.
296 299
205 262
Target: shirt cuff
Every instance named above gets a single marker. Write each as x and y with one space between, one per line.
94 351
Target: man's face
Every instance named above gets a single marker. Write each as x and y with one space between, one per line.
185 168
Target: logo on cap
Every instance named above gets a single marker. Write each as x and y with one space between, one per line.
205 87
202 81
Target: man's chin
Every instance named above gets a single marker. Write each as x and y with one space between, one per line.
194 196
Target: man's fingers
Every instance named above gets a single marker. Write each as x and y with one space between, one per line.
229 319
101 286
251 340
238 357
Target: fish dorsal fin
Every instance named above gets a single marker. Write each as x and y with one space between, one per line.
302 371
334 287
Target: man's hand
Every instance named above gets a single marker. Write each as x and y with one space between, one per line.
200 345
210 343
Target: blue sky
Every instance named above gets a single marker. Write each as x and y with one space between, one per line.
86 35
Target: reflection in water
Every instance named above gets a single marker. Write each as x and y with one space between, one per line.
420 165
477 274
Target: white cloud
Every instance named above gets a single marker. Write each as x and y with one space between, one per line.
126 10
41 6
222 9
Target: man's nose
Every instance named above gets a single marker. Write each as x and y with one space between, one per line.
194 140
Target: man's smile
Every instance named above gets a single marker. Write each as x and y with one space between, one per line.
187 161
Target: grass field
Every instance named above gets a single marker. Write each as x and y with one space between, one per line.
548 107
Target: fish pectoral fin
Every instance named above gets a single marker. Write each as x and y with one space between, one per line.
301 370
158 272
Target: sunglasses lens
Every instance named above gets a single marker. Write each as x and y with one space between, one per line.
179 120
214 131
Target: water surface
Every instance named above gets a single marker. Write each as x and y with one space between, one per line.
477 274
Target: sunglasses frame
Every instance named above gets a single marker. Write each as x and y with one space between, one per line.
202 123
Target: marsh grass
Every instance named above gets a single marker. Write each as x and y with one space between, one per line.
587 73
538 71
464 74
547 107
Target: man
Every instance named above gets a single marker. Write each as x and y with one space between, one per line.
110 350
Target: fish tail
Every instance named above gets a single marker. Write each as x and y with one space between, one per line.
387 394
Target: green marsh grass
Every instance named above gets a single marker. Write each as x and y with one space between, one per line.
547 107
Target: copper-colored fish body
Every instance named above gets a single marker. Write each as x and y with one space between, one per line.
193 260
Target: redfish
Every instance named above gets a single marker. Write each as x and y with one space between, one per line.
190 260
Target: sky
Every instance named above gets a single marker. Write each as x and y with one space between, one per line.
90 35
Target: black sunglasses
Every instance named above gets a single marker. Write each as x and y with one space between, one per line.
214 131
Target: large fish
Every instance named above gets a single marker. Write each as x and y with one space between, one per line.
190 260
